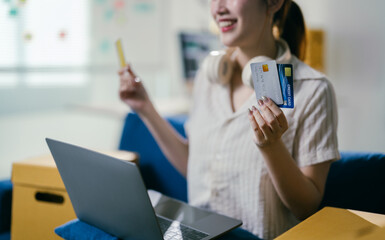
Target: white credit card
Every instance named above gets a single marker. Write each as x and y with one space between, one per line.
266 81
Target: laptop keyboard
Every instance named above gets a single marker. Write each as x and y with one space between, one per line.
173 230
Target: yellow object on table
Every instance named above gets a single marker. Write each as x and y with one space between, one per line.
338 224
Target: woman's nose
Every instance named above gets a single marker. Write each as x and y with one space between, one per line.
219 6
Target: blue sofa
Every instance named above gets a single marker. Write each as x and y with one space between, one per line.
354 182
5 208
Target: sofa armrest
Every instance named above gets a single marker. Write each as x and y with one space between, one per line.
5 205
356 182
156 170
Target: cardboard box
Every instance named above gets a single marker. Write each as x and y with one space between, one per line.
338 224
40 202
315 49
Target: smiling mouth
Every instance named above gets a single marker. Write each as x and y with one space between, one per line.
226 23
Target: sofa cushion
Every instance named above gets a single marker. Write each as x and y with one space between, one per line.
157 172
5 236
79 230
356 182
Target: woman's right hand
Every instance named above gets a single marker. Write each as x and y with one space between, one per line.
132 91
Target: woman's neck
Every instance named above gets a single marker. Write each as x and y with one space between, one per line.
267 47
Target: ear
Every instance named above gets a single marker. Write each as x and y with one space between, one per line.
273 6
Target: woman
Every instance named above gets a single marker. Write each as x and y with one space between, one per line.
269 175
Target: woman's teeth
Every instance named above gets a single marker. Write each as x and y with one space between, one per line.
225 24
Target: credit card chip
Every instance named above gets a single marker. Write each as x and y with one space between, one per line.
287 72
265 68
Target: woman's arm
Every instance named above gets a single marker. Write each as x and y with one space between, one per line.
300 189
133 93
173 145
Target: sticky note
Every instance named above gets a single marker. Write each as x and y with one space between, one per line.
13 12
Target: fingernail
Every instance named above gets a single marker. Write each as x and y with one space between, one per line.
265 99
137 79
250 110
254 108
260 102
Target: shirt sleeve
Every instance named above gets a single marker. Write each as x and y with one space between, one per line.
316 135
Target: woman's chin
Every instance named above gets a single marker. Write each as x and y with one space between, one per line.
228 41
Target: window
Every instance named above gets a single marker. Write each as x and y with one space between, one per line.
43 49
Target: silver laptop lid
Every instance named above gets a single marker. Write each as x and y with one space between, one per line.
106 192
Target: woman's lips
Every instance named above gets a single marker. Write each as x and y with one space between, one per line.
226 25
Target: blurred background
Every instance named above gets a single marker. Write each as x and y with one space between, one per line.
58 67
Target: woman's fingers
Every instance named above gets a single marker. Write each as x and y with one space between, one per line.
268 123
134 79
269 117
262 124
130 71
253 123
122 70
128 79
277 112
259 137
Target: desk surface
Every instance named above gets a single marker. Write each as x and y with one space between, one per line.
338 224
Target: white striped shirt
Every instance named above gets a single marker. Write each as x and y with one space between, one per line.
226 172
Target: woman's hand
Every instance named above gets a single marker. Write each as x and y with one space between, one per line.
268 123
132 91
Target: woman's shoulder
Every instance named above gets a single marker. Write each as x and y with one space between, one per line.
311 87
309 78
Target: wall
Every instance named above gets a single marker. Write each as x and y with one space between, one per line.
355 62
96 121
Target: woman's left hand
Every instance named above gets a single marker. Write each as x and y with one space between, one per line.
268 123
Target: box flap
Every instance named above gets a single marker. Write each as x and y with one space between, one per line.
375 218
330 223
41 171
38 171
376 234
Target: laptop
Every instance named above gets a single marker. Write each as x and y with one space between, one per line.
110 194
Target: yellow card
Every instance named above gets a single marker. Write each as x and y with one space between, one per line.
119 48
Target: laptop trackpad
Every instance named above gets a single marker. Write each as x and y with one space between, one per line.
176 210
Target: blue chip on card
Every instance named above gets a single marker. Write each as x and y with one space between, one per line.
274 81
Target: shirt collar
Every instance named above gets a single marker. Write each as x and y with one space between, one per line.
301 70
